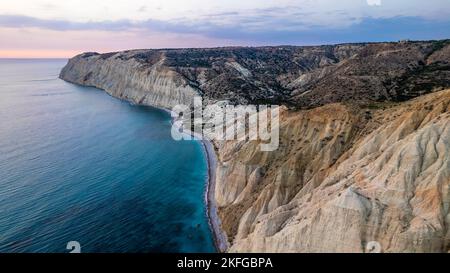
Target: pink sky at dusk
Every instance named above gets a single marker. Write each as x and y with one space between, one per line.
62 29
42 43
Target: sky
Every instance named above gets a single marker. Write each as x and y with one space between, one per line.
61 29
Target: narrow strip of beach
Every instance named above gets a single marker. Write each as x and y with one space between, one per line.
220 239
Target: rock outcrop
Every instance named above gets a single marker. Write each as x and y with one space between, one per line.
364 139
124 76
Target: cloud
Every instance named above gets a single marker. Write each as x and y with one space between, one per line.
201 15
49 6
19 21
374 2
142 9
268 26
279 30
295 22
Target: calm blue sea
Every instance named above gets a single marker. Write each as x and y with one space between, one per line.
79 165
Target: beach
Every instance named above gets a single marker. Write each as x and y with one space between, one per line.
220 238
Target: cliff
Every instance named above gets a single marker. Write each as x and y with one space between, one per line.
364 138
122 75
298 77
342 177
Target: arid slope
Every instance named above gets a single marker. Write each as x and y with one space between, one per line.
343 176
299 77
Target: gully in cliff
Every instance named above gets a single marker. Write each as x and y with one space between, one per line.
221 122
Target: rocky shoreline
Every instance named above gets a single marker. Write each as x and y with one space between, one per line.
220 238
136 97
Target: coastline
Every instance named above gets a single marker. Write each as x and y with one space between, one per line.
219 237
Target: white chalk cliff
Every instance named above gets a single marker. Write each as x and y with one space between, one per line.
127 78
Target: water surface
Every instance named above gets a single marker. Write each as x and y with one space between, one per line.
79 165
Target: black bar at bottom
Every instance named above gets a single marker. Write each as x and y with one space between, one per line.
227 262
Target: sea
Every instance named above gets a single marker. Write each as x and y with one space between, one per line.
83 171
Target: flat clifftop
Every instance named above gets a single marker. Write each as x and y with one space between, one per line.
299 77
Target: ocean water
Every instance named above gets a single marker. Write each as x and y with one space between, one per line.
79 165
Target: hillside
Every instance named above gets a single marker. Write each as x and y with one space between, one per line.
300 77
342 177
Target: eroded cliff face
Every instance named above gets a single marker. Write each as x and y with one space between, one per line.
343 176
124 76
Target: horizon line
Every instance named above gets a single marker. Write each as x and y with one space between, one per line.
218 47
